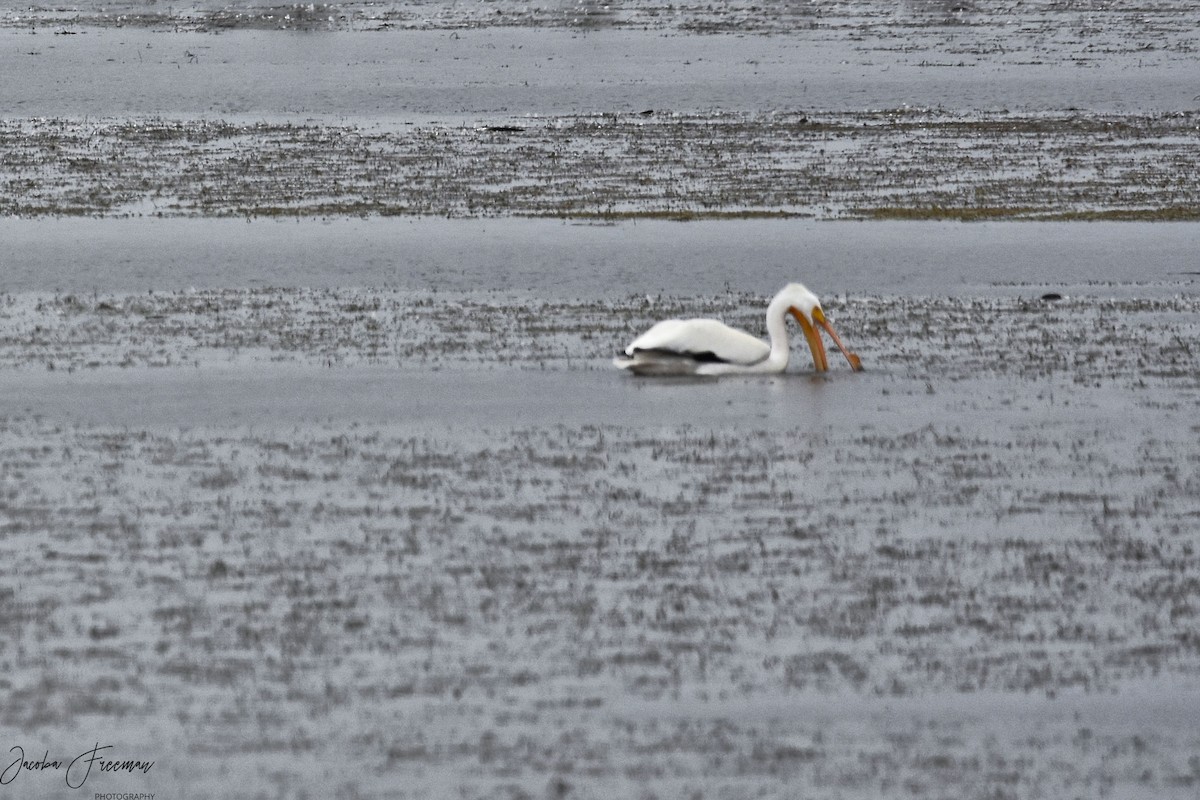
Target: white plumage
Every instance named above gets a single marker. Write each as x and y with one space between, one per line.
710 347
686 335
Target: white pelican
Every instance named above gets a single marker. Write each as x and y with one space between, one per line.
710 347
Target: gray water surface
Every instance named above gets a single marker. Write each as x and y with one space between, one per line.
419 74
557 259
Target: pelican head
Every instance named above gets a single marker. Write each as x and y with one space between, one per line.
797 300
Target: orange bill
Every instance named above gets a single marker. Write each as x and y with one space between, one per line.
820 360
819 318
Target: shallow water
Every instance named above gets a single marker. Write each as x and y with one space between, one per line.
261 396
265 397
562 260
415 75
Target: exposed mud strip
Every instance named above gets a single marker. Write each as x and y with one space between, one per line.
900 164
1083 340
1058 30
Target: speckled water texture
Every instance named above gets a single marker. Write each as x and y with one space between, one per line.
316 481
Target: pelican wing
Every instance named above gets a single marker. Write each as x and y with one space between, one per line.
702 340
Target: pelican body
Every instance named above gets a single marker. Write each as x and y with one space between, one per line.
710 347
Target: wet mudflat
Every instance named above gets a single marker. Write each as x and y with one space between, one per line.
374 610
